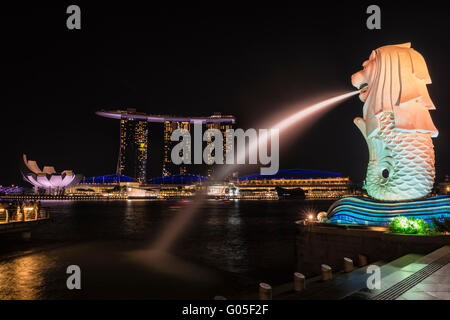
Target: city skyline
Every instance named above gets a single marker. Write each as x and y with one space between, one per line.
199 71
212 153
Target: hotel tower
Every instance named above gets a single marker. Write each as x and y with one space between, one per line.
133 154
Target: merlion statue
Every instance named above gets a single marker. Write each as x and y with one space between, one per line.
396 123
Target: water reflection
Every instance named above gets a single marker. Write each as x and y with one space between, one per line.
23 277
224 244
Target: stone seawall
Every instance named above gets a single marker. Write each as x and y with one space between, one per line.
320 243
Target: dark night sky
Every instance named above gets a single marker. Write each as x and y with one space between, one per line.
253 62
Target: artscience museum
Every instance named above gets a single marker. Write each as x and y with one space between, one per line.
48 180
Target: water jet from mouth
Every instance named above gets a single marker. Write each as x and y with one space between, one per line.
171 233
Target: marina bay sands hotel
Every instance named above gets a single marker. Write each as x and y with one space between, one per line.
134 132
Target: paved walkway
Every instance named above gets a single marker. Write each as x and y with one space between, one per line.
435 287
342 285
428 278
411 277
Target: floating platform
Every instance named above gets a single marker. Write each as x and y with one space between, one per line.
368 211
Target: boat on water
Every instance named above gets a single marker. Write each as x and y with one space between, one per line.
293 193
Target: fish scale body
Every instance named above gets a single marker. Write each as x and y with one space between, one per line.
407 155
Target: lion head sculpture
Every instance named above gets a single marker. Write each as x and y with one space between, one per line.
395 79
396 123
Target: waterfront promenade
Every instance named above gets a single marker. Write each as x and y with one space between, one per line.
410 277
21 218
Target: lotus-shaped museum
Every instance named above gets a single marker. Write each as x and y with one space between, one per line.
48 179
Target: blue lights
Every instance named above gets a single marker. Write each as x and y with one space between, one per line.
174 179
366 211
178 179
11 189
111 178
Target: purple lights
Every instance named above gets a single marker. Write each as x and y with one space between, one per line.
48 179
10 190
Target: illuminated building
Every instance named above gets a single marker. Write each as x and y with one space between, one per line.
107 179
176 186
47 179
178 179
168 167
224 190
444 187
11 190
223 127
123 187
133 155
316 184
111 186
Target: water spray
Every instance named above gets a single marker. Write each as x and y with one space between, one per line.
175 227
